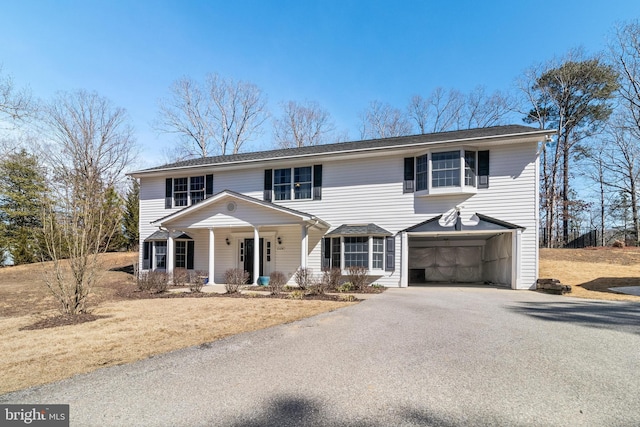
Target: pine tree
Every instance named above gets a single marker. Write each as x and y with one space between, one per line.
22 188
131 215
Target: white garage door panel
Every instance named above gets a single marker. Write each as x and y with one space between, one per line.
448 264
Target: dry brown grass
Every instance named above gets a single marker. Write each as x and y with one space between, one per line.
133 329
592 271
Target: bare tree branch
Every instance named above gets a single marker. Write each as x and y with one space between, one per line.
383 121
303 125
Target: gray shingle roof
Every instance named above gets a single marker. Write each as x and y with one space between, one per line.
494 131
164 235
359 230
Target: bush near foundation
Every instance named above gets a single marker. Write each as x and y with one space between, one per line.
234 278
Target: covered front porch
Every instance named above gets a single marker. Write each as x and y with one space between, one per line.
230 230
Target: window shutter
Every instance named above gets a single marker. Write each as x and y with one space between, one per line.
208 192
317 182
390 264
190 250
483 169
326 253
409 175
168 192
146 252
268 184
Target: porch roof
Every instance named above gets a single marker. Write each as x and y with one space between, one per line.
359 230
228 194
164 235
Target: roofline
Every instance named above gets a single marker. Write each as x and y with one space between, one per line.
346 151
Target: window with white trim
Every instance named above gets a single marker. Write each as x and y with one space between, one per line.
422 175
188 190
196 189
377 257
302 183
445 169
359 251
180 193
356 252
160 254
293 183
470 168
282 184
181 254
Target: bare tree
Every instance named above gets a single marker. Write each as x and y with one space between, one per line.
215 117
625 55
383 121
622 155
91 145
302 125
439 112
187 113
15 104
483 110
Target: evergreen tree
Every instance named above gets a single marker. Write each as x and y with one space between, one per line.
131 215
22 188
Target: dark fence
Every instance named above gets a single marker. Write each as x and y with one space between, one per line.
577 239
589 237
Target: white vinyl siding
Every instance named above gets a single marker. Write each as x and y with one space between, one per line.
356 190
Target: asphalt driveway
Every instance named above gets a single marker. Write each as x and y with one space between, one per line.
441 356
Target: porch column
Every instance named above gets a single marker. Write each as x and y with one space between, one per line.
304 247
256 255
404 260
211 256
170 257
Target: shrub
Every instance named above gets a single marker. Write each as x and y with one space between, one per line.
346 287
297 294
303 277
234 278
277 279
180 276
153 281
358 276
332 278
196 281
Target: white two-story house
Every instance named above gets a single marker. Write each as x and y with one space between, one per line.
446 207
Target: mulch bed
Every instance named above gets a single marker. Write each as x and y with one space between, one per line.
133 293
62 320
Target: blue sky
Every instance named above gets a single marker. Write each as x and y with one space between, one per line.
342 54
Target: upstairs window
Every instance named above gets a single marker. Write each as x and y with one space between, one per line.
298 188
186 191
302 183
449 172
422 175
180 194
196 187
446 169
470 168
282 184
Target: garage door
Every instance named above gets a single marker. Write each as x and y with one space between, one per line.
460 258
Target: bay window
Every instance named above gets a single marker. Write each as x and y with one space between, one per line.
446 172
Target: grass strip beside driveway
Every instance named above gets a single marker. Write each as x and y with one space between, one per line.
135 330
